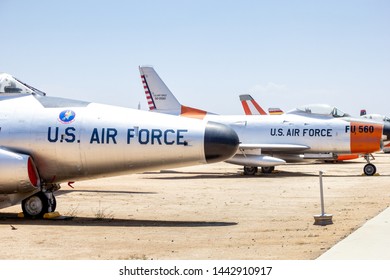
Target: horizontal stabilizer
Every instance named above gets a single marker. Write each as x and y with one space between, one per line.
275 111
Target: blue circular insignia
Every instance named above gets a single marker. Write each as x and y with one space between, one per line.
67 116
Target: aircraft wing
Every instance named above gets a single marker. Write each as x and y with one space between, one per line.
274 147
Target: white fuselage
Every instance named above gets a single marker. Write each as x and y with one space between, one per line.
320 134
99 140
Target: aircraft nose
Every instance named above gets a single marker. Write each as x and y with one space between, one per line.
220 142
386 133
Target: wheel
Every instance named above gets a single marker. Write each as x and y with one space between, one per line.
369 169
250 170
53 204
267 169
35 206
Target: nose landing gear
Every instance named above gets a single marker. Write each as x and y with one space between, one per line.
40 203
369 169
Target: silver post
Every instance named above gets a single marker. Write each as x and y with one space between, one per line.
322 195
323 219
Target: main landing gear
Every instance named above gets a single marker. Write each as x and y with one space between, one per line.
40 203
369 169
252 170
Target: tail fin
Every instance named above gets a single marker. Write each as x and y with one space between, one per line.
161 99
275 111
250 105
363 112
158 95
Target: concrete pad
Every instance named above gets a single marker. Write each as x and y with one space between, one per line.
370 242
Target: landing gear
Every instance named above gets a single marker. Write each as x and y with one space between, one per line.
267 169
250 170
369 169
39 204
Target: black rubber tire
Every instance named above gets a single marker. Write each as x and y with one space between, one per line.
250 170
54 206
369 169
267 169
35 206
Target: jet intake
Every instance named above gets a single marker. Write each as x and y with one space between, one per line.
386 134
256 160
220 142
17 173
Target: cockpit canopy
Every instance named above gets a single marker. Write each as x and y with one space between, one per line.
11 86
377 117
319 109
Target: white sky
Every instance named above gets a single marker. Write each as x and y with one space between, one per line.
283 53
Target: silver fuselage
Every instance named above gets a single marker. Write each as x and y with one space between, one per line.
320 134
52 140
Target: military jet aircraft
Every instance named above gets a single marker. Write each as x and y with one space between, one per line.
251 107
46 140
309 132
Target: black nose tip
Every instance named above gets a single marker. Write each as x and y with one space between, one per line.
386 132
220 142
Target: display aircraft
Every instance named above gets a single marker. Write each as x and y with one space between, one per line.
375 117
251 107
45 141
317 132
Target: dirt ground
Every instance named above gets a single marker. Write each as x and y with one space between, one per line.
204 212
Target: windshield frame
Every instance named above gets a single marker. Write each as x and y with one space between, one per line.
24 88
33 89
319 110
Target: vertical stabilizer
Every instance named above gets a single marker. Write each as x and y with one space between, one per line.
158 95
250 105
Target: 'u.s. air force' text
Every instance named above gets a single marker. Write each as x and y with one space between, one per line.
111 136
320 132
311 132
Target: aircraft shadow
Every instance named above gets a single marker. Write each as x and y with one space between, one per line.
195 175
12 219
62 191
356 175
276 174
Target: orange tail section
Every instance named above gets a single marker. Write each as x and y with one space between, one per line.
250 105
192 112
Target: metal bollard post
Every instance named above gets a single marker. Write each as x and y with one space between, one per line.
323 219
